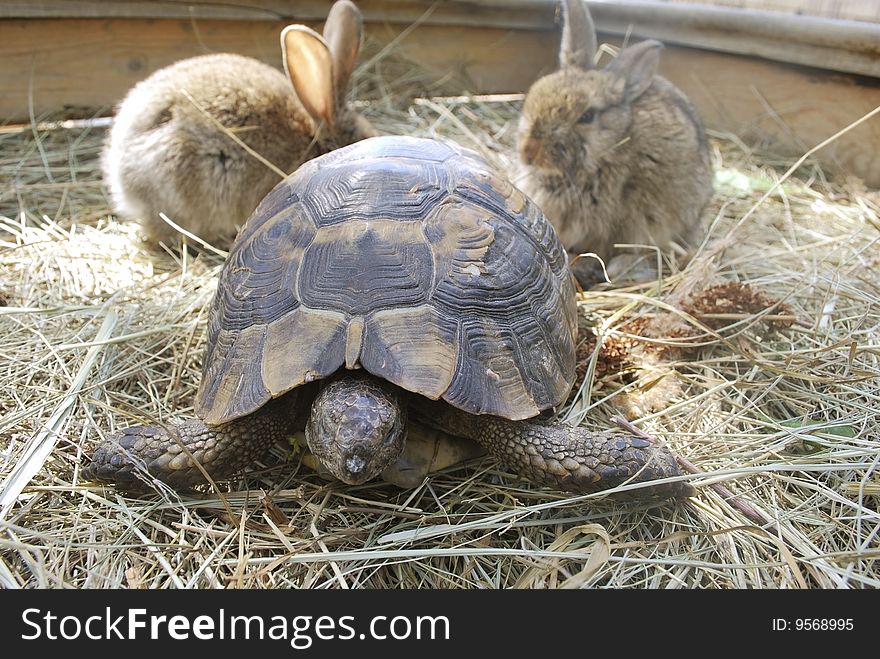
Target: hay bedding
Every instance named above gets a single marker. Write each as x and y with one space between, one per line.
757 361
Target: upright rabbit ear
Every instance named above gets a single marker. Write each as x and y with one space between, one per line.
637 65
309 66
343 32
578 46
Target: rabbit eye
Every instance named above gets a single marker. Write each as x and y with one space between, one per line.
587 117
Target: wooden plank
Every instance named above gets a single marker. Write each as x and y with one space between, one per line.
85 64
854 10
848 46
531 14
782 108
839 45
271 10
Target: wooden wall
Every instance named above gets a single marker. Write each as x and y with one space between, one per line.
80 58
853 10
87 64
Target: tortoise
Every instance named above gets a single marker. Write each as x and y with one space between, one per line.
427 450
394 276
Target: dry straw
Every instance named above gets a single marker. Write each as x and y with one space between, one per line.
778 403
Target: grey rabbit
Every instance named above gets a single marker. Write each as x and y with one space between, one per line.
163 153
611 155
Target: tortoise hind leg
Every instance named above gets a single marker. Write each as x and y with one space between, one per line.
170 454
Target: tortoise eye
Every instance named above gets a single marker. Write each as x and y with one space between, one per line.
587 117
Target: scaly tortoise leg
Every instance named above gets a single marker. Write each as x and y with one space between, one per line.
566 457
221 451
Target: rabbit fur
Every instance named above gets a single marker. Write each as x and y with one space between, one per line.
612 155
166 153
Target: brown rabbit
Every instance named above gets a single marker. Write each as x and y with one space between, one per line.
165 155
612 155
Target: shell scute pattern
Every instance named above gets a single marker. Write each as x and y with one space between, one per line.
319 337
258 278
237 382
492 268
400 190
408 258
513 359
423 361
482 187
280 199
543 353
400 147
362 266
487 376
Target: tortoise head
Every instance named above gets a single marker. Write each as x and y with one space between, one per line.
357 427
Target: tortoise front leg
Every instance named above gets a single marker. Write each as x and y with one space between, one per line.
567 457
579 460
170 453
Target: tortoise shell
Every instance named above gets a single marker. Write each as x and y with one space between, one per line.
409 258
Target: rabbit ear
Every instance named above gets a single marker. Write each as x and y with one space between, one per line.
637 65
578 46
309 66
343 33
